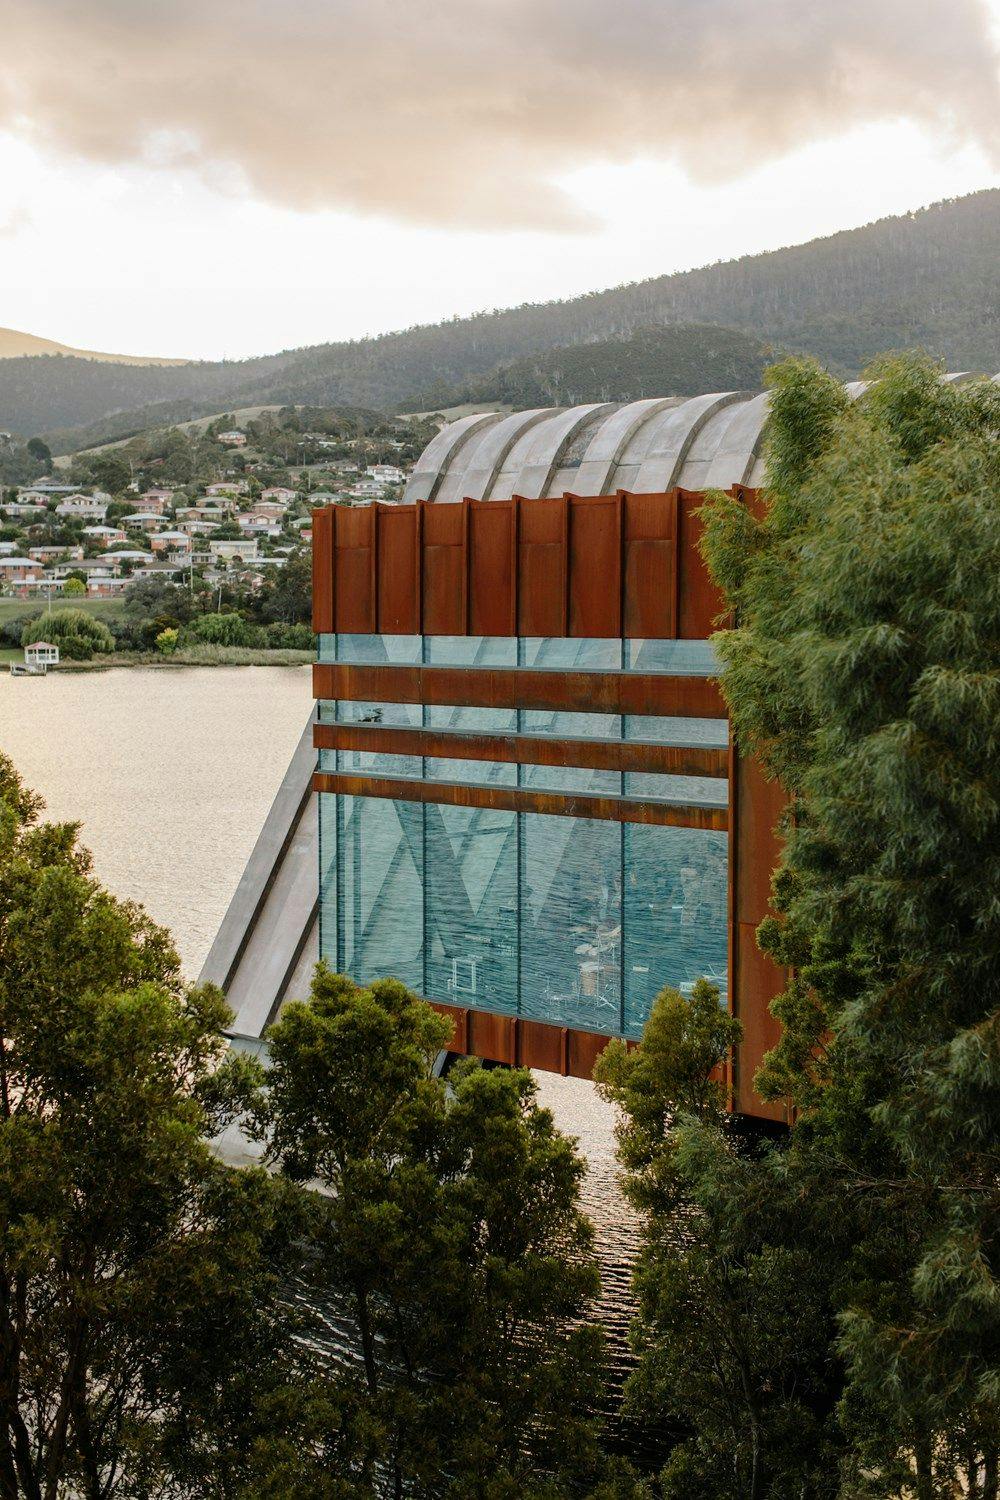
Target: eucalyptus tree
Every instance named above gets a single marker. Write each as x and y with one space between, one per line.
864 671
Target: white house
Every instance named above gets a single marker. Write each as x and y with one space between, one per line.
41 654
232 439
84 507
245 550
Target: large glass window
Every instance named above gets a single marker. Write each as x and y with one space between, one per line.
394 715
569 654
380 867
471 907
703 791
470 651
471 720
546 653
662 730
690 658
571 931
574 921
675 914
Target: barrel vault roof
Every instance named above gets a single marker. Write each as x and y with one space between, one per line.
695 442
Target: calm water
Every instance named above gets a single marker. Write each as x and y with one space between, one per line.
171 772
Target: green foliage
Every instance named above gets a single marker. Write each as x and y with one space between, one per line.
78 635
110 472
166 641
74 587
141 1330
864 674
680 360
226 630
450 1240
734 1328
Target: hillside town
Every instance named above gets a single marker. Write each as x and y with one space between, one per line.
232 530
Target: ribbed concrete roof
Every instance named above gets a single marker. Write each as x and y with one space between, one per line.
697 442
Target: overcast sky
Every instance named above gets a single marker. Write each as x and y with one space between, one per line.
183 178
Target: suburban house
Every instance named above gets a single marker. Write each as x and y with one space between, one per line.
385 473
233 439
244 550
280 494
142 521
171 541
153 502
53 554
28 511
103 536
105 588
85 507
231 487
260 525
17 571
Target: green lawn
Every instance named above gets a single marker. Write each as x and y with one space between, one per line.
29 609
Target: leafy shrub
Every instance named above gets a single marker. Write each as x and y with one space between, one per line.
78 635
283 637
227 630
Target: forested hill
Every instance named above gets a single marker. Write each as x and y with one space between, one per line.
927 278
682 360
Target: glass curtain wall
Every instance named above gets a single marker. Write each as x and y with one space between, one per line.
573 921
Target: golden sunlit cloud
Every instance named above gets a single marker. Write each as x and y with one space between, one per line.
462 112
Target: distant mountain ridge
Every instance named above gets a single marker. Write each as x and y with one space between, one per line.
17 345
926 279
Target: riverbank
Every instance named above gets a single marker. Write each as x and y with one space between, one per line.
189 656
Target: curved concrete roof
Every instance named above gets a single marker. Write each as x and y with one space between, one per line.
696 442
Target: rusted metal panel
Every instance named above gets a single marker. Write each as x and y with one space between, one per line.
459 1018
594 567
756 981
585 1047
759 805
354 569
491 581
700 602
542 1046
396 564
523 1043
541 570
649 592
322 593
492 1036
599 755
445 572
512 687
523 799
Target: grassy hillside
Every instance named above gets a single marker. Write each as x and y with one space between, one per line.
926 278
16 345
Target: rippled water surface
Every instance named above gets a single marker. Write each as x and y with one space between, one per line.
171 772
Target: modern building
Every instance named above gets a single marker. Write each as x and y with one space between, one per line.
526 801
529 809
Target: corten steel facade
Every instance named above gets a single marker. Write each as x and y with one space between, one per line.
530 809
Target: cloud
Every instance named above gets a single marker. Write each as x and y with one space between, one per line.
462 112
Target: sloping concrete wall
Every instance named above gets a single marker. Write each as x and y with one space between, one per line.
268 942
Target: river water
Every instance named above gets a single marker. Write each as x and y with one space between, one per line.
171 771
